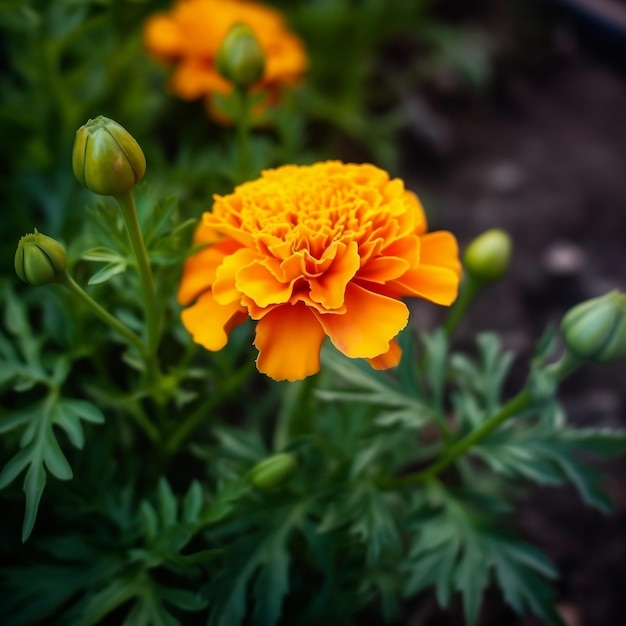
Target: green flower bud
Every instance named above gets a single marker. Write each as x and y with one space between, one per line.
39 259
487 258
106 158
240 58
273 471
595 330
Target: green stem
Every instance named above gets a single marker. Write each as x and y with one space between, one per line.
67 281
292 417
243 129
469 289
143 421
202 414
126 203
513 407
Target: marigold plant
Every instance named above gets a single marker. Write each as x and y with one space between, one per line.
191 33
313 251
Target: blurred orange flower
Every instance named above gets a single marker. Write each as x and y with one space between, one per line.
191 34
313 251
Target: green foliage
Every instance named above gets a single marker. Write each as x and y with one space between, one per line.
457 548
39 449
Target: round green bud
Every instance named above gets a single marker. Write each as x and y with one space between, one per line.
240 58
487 258
106 157
273 471
595 330
39 259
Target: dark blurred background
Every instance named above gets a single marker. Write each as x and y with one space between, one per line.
539 148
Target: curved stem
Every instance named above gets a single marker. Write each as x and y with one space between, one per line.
126 203
243 128
469 289
67 281
513 407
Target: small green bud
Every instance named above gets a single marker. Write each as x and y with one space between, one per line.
273 471
487 258
106 157
240 58
39 259
595 330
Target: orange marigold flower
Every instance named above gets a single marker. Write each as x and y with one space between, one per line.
191 34
313 251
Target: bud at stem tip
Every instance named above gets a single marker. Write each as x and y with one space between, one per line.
595 330
240 58
39 259
106 158
487 258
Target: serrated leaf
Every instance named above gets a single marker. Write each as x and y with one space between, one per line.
73 428
603 442
471 579
350 371
435 358
103 602
376 525
14 468
15 316
458 548
40 448
107 272
586 479
541 449
264 554
102 254
34 484
85 410
149 520
172 539
271 584
241 445
16 321
168 506
521 586
183 598
19 418
223 503
192 504
55 460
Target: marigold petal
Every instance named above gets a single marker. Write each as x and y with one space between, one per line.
194 78
199 271
289 339
437 284
209 322
383 269
225 286
391 358
162 37
329 288
258 283
417 210
370 322
440 248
